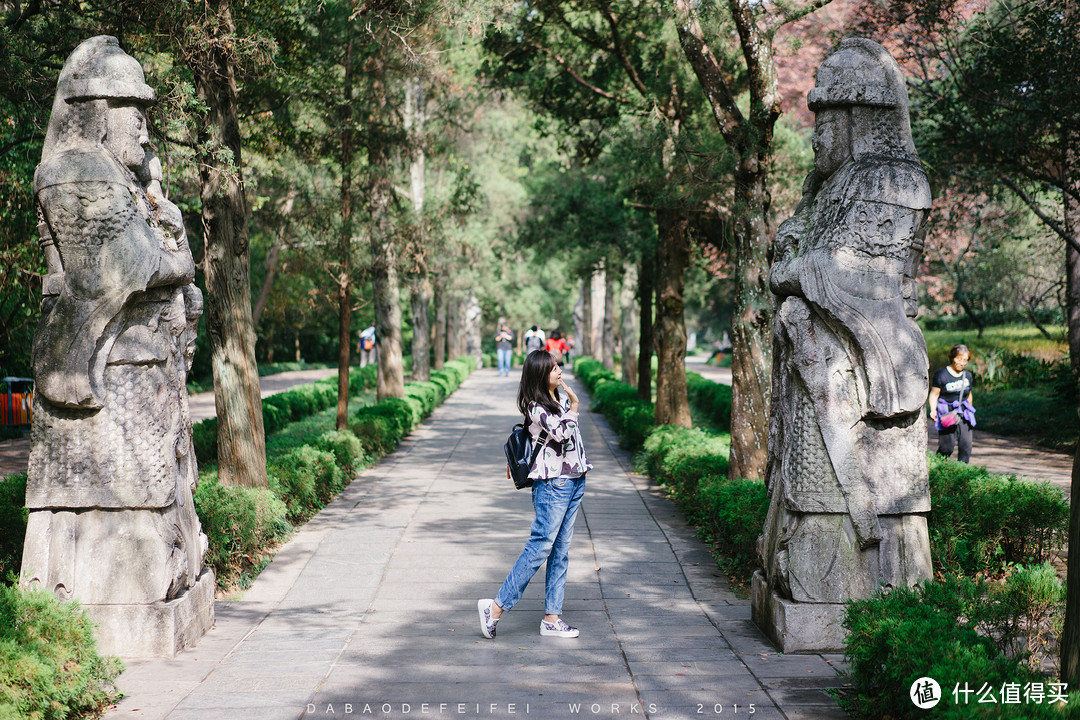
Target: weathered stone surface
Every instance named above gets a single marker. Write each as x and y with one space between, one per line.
112 471
160 629
847 473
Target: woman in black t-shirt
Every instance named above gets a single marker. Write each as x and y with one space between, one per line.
950 405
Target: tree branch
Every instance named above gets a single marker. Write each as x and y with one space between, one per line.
620 52
1050 222
572 73
794 15
729 119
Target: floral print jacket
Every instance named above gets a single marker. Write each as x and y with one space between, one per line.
563 454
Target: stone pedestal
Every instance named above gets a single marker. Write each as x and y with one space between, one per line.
796 627
158 629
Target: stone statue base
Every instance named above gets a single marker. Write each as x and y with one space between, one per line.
159 629
796 626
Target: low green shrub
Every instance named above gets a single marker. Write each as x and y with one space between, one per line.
732 514
980 521
681 457
943 630
241 525
204 438
347 449
13 516
591 372
49 665
381 427
305 479
712 399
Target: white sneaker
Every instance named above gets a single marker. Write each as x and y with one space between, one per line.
558 629
487 624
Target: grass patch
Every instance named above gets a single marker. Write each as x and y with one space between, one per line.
1035 414
1022 339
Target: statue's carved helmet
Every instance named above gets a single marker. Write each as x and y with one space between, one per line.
99 69
862 76
858 72
96 72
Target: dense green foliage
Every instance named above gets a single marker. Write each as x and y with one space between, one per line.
954 631
49 665
241 525
13 515
981 521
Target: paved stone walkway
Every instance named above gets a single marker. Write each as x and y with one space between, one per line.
370 610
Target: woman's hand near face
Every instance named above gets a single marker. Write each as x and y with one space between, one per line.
570 394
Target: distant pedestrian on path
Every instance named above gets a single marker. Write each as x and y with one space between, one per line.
504 348
367 346
534 339
558 486
950 405
557 347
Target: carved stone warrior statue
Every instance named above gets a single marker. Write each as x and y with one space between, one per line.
847 470
111 474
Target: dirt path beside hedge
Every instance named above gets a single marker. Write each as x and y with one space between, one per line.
14 454
996 453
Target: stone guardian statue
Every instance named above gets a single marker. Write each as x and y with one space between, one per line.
847 471
112 470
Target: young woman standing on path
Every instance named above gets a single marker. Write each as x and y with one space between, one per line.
950 405
558 486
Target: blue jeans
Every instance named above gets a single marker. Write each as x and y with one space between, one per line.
556 502
504 360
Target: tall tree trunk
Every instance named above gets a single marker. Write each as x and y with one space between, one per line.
384 256
751 327
345 241
1070 636
440 322
420 292
227 262
751 138
419 285
607 334
268 282
455 325
646 289
587 316
672 404
386 291
628 328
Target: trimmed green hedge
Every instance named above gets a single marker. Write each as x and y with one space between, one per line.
241 525
282 408
13 516
955 631
49 665
692 464
981 521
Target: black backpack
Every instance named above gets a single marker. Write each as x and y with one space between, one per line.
520 455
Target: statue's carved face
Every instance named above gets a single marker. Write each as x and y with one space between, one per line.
126 135
832 140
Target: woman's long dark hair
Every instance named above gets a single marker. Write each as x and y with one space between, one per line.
534 384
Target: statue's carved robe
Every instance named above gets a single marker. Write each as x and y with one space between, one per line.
847 468
111 429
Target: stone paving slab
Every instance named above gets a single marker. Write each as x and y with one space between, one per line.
373 604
